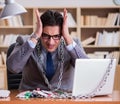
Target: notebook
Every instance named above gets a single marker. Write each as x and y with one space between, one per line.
92 77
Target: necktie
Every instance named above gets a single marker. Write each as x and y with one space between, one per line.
49 66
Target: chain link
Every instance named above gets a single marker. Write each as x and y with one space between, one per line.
94 92
61 67
61 64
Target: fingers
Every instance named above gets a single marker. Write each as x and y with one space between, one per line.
65 24
37 15
38 23
65 14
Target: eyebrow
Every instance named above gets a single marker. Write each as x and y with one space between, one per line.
50 34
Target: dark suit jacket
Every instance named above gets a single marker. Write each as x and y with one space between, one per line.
26 60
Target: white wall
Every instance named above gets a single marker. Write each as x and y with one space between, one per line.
59 3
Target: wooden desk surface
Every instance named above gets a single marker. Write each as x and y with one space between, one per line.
111 99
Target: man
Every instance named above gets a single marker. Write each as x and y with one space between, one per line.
30 55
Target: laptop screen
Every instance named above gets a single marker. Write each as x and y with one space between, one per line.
93 77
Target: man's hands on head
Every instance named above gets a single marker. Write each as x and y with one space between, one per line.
39 27
37 34
65 30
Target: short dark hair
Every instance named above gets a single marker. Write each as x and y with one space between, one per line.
52 18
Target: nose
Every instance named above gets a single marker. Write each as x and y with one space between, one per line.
51 41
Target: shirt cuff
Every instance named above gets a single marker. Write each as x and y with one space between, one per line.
71 46
31 43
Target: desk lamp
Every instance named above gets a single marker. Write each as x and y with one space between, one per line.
11 8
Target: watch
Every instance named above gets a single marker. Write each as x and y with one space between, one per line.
117 2
34 36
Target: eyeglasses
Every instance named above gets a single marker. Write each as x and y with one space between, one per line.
47 36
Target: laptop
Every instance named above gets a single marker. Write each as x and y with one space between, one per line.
93 77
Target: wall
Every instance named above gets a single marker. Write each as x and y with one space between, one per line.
59 3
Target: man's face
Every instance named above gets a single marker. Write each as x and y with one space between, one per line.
51 37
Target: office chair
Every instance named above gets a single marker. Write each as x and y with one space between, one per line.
13 78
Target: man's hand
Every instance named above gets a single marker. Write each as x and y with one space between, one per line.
65 31
39 27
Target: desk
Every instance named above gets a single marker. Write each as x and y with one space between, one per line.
111 99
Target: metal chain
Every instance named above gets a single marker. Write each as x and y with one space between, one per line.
67 95
93 93
61 64
61 67
39 52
